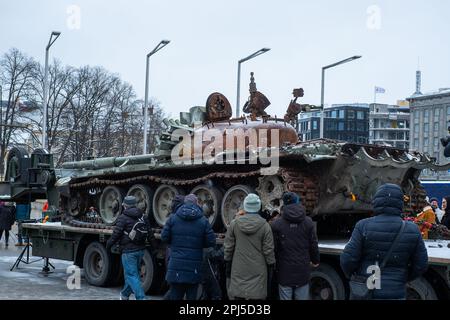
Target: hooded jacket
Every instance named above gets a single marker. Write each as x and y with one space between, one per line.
187 232
125 222
296 246
249 245
372 238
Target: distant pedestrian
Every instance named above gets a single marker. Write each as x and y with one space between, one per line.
446 207
7 219
187 232
296 248
371 243
435 205
249 253
131 219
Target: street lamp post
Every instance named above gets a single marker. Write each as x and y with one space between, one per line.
257 53
160 45
54 34
322 95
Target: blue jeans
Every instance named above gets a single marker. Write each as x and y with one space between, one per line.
294 293
131 262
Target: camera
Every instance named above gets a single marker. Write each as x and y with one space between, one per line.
446 144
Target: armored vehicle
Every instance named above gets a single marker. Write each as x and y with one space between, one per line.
220 159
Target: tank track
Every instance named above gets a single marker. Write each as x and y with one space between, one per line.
163 180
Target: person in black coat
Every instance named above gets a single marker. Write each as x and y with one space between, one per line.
446 207
296 249
132 251
7 218
372 238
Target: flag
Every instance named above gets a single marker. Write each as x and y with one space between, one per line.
379 90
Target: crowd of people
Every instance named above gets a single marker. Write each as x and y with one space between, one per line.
257 253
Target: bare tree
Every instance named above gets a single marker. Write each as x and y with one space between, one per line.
16 70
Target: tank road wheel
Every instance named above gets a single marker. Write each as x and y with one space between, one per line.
420 289
326 284
162 202
111 204
97 264
233 201
151 278
77 204
210 200
144 197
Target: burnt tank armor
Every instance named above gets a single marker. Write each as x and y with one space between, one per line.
344 176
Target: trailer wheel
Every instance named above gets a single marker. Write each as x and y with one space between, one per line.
326 284
150 275
420 289
97 265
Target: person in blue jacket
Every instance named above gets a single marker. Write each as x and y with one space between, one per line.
187 232
372 238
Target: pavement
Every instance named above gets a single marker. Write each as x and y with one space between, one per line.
28 282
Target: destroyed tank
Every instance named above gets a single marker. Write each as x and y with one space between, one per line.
222 159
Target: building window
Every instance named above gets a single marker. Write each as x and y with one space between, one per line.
360 115
436 144
426 142
314 126
360 126
341 114
416 143
416 114
351 126
341 126
391 135
436 127
334 114
351 114
426 115
448 110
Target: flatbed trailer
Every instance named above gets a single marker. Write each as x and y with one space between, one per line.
86 248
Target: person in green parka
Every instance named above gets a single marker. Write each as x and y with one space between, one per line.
249 253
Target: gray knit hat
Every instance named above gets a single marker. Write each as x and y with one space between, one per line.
129 201
252 203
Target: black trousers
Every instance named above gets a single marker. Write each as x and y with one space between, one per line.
177 291
6 235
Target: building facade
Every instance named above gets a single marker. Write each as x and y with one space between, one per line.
430 118
389 125
345 122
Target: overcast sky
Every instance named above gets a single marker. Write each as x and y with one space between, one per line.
209 37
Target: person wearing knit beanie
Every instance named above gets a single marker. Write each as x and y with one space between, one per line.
252 203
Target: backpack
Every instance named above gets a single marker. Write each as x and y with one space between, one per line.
139 232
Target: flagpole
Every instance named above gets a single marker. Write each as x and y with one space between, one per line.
375 95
